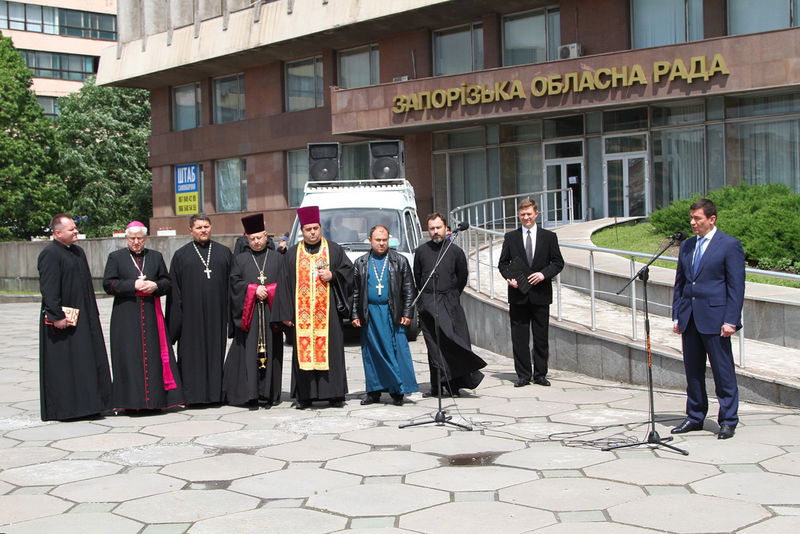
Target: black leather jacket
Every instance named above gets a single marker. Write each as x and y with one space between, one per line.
401 287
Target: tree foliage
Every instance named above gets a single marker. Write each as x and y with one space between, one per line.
766 218
102 138
31 191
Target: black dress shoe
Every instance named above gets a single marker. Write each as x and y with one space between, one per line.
520 383
336 403
430 393
726 431
302 405
687 426
397 399
370 399
542 381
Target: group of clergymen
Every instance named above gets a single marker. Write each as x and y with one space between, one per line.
256 297
305 292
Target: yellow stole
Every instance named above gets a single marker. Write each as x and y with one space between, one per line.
312 298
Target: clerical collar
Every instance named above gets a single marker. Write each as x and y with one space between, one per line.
312 249
258 252
137 254
202 245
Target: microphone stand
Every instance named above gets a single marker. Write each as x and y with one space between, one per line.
652 436
441 418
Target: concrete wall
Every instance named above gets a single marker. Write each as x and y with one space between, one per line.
18 270
574 347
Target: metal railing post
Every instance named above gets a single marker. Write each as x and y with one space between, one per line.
634 331
591 290
558 296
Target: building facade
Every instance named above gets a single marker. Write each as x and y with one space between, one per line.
627 104
61 41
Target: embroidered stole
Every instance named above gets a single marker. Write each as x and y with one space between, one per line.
312 300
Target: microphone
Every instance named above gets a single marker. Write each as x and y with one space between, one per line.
461 227
678 236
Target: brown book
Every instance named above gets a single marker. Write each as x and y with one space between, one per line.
71 313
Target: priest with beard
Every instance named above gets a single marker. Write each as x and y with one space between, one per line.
254 364
74 378
145 371
452 363
313 295
197 312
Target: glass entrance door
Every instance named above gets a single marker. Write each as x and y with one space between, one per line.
564 174
626 183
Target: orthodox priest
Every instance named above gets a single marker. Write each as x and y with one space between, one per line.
383 306
74 377
313 296
254 364
197 311
452 363
145 371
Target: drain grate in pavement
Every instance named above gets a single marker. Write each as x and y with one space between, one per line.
481 458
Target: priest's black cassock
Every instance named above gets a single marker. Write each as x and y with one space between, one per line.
74 375
458 366
136 352
317 385
243 379
197 315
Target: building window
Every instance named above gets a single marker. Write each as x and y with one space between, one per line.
458 50
359 67
49 105
531 37
751 16
298 175
229 98
231 185
186 106
666 22
60 66
355 161
304 84
57 21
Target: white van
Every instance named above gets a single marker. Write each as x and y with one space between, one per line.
348 209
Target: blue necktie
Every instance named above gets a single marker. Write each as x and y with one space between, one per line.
698 255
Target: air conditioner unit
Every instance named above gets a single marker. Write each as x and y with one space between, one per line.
569 51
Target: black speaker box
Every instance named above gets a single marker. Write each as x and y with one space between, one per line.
323 161
387 159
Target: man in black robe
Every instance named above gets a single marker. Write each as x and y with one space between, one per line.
74 377
319 272
197 311
145 372
452 363
254 364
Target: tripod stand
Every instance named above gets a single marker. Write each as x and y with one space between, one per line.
441 418
652 436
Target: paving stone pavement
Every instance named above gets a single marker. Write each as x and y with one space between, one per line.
532 463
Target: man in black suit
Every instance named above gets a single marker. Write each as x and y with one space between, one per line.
530 259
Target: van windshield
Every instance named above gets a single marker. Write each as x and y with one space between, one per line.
350 227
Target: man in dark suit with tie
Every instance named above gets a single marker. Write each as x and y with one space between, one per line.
530 259
707 310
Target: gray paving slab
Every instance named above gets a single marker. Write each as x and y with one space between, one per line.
532 462
97 523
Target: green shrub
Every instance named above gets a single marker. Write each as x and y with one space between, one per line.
766 218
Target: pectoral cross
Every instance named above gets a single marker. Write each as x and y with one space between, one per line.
379 287
262 278
208 273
